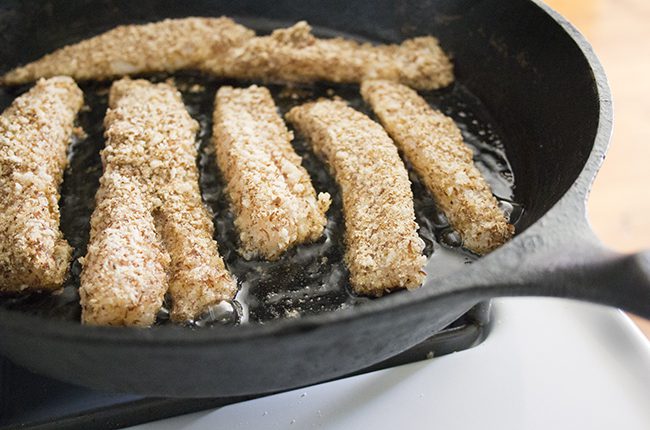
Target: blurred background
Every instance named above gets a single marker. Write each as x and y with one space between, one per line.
619 206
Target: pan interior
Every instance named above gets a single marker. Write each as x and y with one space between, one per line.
309 279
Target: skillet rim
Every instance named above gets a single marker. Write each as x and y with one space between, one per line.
162 337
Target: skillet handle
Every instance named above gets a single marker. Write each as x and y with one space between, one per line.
617 280
590 273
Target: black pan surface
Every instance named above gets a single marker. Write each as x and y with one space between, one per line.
543 99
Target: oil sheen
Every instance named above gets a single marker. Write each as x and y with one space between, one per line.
311 278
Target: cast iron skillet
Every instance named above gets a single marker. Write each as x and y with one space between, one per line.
541 83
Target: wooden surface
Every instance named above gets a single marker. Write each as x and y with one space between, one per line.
619 206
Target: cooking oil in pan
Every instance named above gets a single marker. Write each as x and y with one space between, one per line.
308 279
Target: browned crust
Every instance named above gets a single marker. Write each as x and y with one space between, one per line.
165 46
295 55
271 193
384 251
434 146
150 139
35 133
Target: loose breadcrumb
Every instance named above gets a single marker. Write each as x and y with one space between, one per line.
384 251
271 193
151 138
35 132
434 146
295 55
165 46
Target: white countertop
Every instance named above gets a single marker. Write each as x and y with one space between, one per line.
547 364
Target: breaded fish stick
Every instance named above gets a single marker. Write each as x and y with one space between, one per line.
434 146
34 135
124 277
150 137
384 251
165 46
295 55
271 193
198 276
156 115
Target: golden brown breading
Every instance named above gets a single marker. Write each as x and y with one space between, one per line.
434 146
124 277
198 275
165 46
384 251
295 55
34 135
271 193
151 138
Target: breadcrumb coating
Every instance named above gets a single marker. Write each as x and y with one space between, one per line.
383 249
271 193
124 275
151 139
294 54
165 46
433 144
35 132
